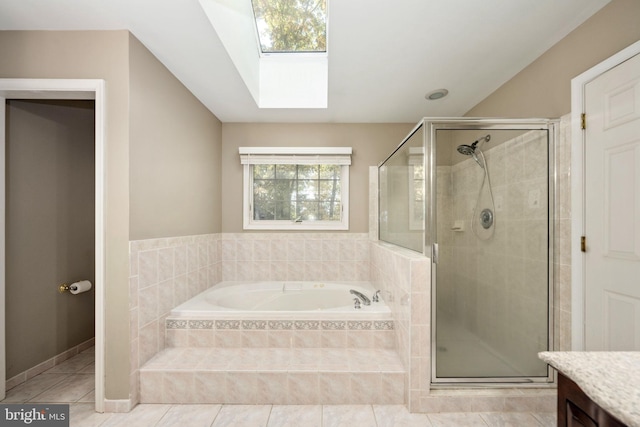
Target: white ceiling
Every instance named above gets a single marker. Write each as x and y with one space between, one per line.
384 55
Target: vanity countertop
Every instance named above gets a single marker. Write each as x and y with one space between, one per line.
610 379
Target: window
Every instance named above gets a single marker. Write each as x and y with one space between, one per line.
296 188
291 25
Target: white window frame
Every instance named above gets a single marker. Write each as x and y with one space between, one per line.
416 158
250 156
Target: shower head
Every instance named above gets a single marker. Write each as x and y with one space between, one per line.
467 150
470 150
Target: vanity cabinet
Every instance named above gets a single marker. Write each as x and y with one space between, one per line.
576 409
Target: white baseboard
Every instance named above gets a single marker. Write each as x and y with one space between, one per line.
118 405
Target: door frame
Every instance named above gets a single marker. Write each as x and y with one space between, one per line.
578 190
81 89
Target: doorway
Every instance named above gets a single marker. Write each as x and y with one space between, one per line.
49 239
93 90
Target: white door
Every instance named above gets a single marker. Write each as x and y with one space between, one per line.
612 209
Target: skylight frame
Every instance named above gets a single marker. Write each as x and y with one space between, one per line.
298 53
277 80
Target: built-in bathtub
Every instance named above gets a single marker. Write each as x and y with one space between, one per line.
289 343
292 300
277 343
282 314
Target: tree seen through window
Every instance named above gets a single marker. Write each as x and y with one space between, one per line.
291 25
296 192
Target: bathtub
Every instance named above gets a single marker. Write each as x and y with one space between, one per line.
301 300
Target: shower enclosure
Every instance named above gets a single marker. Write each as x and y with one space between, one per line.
476 196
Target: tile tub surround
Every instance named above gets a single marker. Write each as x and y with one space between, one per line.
168 271
291 376
295 256
278 361
404 278
266 256
610 379
163 274
235 333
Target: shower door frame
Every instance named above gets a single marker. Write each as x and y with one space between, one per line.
431 126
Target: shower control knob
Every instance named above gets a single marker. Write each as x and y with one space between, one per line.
486 218
356 303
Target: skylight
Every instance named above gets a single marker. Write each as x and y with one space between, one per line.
286 26
291 69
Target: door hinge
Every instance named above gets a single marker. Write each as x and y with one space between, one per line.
583 243
583 121
435 254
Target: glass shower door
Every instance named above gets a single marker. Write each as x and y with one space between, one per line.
491 224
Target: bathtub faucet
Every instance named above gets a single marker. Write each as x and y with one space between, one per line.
364 298
376 296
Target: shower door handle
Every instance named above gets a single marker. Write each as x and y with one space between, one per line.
434 253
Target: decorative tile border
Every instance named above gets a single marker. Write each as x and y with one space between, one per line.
200 324
176 324
280 325
359 325
383 325
307 325
333 325
254 324
227 324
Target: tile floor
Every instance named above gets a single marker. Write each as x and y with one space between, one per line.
72 382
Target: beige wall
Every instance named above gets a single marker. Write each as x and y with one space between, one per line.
50 229
371 144
162 155
93 55
546 83
176 147
151 119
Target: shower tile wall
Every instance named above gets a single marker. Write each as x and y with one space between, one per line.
488 284
562 223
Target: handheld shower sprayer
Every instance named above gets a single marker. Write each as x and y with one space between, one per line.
482 221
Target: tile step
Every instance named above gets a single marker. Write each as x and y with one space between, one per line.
273 376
